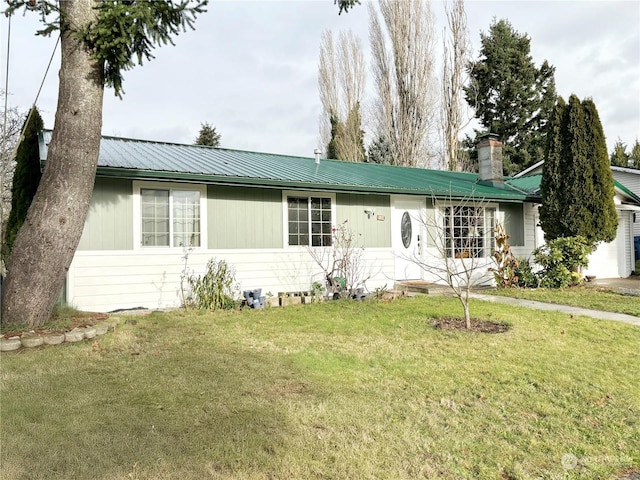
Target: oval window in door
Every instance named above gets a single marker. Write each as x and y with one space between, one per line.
405 229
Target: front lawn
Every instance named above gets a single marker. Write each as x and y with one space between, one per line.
596 298
328 391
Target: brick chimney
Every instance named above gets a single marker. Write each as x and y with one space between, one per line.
490 161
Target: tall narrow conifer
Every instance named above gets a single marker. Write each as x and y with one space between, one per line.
577 185
25 179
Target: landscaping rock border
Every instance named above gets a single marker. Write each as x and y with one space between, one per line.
33 339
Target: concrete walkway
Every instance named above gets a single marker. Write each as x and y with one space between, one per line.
618 317
626 286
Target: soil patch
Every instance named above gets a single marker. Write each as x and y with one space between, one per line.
78 319
630 474
477 325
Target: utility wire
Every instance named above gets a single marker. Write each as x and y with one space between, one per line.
5 159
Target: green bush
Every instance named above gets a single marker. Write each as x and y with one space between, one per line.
214 290
527 278
562 261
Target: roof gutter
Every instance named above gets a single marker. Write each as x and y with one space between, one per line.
134 174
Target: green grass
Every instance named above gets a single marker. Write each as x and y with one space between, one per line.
584 296
327 391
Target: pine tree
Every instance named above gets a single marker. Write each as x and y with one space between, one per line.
634 157
577 184
511 96
208 136
619 156
98 42
380 151
25 179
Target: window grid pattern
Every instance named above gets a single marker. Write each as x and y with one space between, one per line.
186 218
309 219
469 231
170 218
155 217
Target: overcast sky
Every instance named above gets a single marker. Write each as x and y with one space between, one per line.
250 68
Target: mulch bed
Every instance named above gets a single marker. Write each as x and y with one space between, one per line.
477 325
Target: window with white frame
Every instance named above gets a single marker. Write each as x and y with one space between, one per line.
468 231
309 221
170 217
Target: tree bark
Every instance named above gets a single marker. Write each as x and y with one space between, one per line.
47 241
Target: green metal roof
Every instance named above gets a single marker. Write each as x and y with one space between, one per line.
529 184
141 159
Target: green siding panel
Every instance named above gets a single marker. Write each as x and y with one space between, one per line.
375 231
514 222
109 223
241 217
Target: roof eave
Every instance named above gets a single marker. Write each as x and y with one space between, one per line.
135 174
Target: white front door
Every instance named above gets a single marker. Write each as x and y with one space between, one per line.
408 235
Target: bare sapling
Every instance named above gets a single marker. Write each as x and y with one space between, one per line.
343 264
459 246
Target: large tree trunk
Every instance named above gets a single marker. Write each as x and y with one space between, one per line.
47 241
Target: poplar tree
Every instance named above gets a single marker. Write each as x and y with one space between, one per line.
577 185
341 81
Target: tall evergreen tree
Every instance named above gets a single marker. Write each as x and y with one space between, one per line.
619 156
98 42
26 179
634 157
599 190
337 129
512 97
208 136
577 184
551 185
380 151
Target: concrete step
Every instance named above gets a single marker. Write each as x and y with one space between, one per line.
412 286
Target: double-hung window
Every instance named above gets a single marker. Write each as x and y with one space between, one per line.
309 221
170 217
468 231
